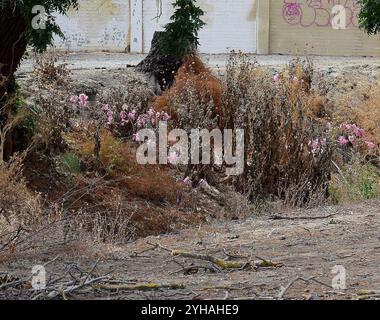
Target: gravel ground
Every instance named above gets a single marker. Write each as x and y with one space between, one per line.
103 60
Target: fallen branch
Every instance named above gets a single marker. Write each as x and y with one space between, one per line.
141 287
367 294
279 217
291 283
221 263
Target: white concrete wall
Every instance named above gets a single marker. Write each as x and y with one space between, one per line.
231 24
119 24
97 25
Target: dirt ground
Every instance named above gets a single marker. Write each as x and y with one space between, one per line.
304 244
108 60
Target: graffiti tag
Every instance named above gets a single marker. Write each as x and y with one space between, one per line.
320 13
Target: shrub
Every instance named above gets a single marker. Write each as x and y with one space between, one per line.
46 68
288 150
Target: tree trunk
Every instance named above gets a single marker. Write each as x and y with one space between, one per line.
159 66
12 48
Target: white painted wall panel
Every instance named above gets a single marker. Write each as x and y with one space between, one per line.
136 33
231 24
97 25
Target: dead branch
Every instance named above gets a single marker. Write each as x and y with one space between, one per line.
222 263
279 217
141 287
291 283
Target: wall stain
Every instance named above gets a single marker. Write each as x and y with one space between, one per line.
252 16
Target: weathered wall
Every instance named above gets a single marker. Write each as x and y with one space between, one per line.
299 26
119 24
262 26
97 25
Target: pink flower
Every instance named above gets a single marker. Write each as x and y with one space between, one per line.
316 145
135 137
109 117
74 99
83 100
123 115
370 144
132 115
276 77
105 107
352 139
173 158
165 117
342 141
141 120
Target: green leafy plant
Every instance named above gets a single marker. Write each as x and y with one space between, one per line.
181 34
68 163
369 16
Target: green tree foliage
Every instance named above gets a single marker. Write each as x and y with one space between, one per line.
181 34
39 39
369 16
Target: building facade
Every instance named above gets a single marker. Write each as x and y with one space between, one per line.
326 27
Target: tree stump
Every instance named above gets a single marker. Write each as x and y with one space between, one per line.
159 66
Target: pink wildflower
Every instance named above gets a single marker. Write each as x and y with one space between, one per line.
132 115
74 99
83 100
123 115
187 181
109 117
141 121
370 144
342 141
135 137
173 158
165 117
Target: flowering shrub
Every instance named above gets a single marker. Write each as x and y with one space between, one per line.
124 123
128 122
351 135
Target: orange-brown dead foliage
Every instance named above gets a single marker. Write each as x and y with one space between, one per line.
193 73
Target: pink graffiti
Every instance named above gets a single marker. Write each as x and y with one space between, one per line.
308 13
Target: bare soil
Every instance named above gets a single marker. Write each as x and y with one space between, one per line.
301 243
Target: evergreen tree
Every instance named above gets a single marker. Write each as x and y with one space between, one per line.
181 34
